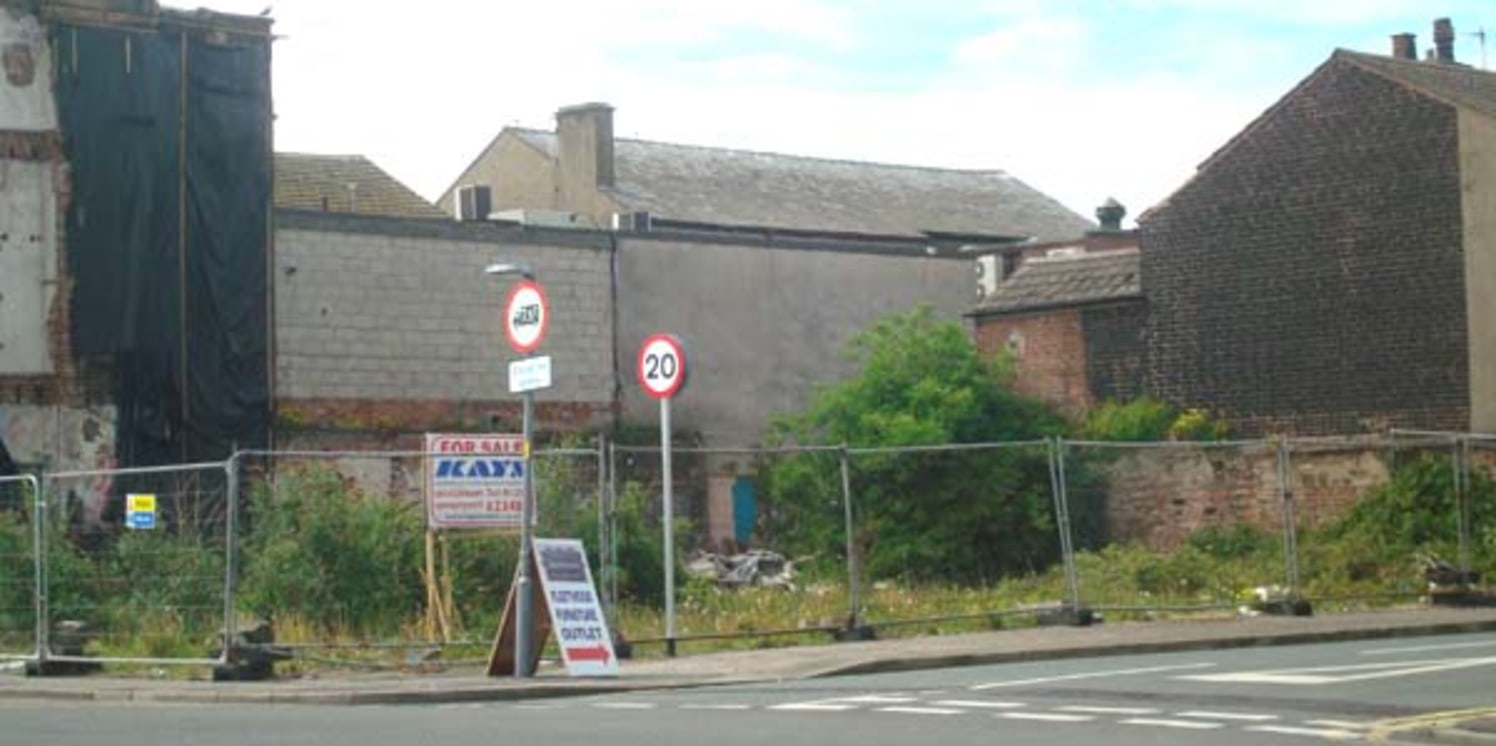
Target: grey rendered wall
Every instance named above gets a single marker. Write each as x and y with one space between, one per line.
399 311
762 326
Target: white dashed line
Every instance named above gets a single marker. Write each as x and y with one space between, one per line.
1316 732
1047 717
1162 723
624 705
1426 648
1244 717
922 710
979 704
1093 675
536 707
1339 724
1108 710
815 707
877 699
716 707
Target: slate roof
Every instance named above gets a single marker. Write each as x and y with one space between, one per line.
303 181
726 187
1455 84
1072 280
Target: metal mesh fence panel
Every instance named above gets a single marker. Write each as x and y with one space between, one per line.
1174 526
146 579
1482 505
1336 488
949 536
343 552
20 567
757 538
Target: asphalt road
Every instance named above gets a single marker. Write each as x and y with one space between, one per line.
1277 695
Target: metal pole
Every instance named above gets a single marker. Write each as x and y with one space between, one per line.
602 520
524 627
231 556
39 557
1290 530
1462 501
1062 514
612 568
669 531
854 597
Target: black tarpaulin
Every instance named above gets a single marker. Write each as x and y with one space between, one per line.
167 233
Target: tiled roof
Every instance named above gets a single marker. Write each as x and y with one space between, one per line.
321 182
1455 84
1070 280
721 186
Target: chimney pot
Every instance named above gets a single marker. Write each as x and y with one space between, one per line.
1110 215
1443 40
1405 46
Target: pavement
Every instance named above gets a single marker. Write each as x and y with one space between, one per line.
468 684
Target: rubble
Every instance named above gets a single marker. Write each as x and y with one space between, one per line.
757 567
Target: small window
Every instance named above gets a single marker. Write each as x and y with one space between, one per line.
1015 343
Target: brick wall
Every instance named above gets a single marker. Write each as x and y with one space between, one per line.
1050 352
388 325
1115 349
1159 496
1309 278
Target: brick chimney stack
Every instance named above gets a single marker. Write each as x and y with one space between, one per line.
1405 46
584 137
1443 41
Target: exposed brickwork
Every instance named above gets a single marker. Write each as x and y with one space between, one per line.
1115 350
1158 497
400 422
1310 277
1051 355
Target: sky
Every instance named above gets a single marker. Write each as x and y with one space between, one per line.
1081 100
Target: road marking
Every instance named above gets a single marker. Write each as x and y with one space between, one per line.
1048 717
876 699
815 707
716 707
979 704
1109 710
536 707
1163 723
1342 674
1317 732
1426 648
1339 724
624 705
1226 716
922 710
1093 675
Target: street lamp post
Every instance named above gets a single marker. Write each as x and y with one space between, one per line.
524 623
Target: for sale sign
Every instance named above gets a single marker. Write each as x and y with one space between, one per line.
475 481
576 615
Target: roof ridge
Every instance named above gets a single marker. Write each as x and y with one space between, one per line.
795 156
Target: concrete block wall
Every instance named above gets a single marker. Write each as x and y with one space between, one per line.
391 325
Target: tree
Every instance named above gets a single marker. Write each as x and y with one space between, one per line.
963 516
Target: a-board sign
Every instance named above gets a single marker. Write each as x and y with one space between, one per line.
475 481
662 365
527 314
564 600
140 511
576 615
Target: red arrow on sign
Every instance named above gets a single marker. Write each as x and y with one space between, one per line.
597 653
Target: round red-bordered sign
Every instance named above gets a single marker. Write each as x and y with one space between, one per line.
527 313
662 365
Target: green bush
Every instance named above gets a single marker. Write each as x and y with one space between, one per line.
336 558
1416 511
1147 419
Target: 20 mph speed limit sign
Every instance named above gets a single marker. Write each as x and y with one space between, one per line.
662 366
526 316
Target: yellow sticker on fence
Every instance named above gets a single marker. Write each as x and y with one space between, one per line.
140 511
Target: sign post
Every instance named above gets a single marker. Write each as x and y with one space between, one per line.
662 373
527 315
